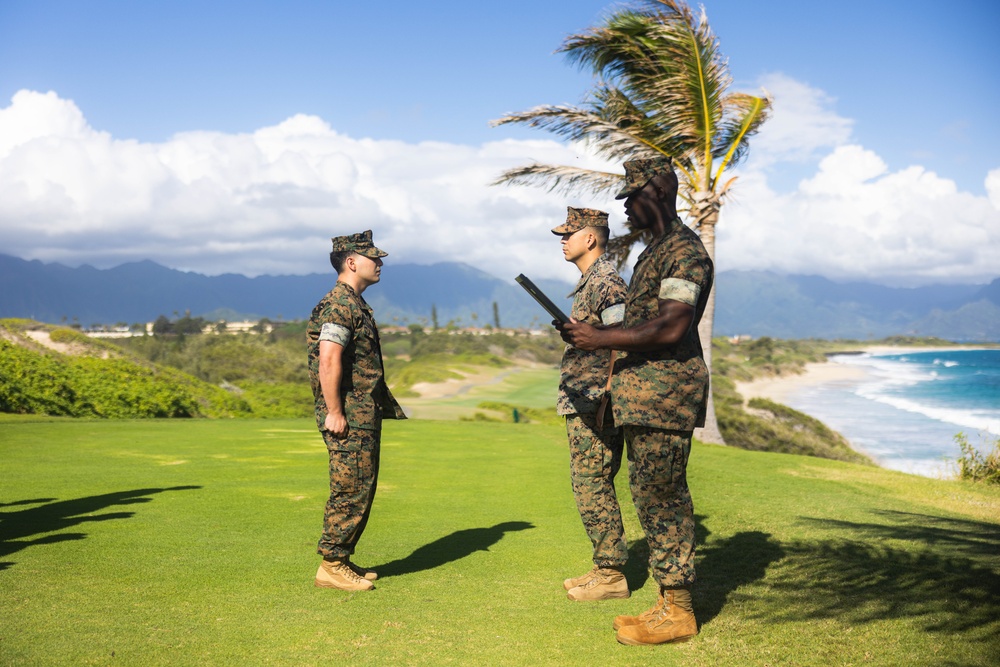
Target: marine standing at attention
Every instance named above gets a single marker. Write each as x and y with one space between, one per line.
348 383
659 391
595 452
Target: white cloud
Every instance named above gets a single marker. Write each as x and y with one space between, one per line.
992 184
268 202
802 125
854 219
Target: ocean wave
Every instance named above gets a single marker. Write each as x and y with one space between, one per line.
890 371
972 419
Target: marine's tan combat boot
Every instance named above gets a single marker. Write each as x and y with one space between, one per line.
338 574
606 584
673 622
363 572
622 621
573 582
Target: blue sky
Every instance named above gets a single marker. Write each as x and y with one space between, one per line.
901 95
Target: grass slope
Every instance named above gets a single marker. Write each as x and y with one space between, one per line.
192 542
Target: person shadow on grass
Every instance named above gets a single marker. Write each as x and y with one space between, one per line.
450 548
53 515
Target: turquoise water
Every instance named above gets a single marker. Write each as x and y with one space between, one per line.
908 408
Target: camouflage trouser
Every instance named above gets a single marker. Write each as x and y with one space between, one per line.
658 479
595 458
353 477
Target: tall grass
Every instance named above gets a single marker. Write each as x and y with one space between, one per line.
165 542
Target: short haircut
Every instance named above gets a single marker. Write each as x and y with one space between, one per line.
601 234
337 259
667 180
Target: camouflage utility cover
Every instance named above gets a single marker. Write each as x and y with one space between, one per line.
599 298
360 243
666 388
581 218
344 317
638 172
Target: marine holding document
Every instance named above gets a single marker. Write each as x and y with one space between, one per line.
595 451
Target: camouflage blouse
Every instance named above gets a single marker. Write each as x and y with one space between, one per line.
343 317
599 298
666 388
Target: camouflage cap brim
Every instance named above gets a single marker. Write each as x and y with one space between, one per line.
360 243
639 172
581 218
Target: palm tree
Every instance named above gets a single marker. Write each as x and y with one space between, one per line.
662 89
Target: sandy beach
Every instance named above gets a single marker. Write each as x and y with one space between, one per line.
779 388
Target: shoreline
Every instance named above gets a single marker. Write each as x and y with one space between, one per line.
778 388
896 436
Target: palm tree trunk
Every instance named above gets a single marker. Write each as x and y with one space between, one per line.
706 214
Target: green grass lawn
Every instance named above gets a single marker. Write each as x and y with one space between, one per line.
535 387
193 543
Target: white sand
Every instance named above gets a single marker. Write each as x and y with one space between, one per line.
779 388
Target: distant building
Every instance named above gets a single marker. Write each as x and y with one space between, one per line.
246 326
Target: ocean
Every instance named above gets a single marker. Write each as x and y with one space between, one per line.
908 407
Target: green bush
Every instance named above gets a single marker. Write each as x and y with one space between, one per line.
53 384
975 466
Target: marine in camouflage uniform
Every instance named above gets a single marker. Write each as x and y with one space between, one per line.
595 453
361 400
660 397
660 392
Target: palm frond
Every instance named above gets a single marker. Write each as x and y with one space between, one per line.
619 247
566 180
612 140
746 113
667 62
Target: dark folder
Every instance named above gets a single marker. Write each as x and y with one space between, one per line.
539 296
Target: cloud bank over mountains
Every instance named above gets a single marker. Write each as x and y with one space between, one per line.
267 202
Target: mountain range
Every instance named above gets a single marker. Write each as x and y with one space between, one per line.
754 303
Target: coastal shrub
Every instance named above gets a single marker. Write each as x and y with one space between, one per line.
33 382
976 466
773 427
277 399
766 356
226 358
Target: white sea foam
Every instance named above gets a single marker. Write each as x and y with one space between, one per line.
924 467
971 419
887 376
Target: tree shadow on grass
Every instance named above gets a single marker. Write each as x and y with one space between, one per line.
450 548
928 578
19 528
956 536
725 565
